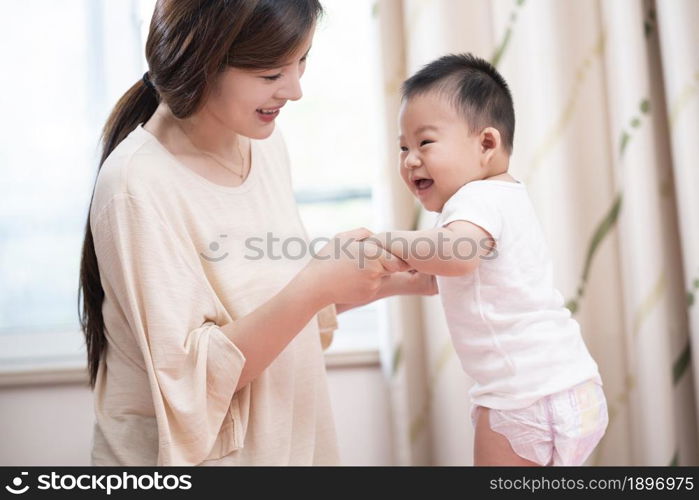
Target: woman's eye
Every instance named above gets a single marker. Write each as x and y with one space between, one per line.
272 77
423 143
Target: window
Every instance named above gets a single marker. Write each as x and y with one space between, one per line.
67 70
334 135
58 95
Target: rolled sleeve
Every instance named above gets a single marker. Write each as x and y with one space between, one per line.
193 368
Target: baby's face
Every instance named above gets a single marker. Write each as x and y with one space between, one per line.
438 154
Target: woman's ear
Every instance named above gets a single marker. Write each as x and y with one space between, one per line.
490 142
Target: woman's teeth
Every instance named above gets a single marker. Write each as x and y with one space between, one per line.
268 115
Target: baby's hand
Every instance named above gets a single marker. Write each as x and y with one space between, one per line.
371 242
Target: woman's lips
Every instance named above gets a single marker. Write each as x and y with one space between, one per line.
267 115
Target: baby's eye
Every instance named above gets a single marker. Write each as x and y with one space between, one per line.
425 142
403 149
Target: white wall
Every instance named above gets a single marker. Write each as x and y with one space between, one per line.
52 424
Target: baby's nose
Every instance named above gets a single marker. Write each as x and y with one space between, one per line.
412 160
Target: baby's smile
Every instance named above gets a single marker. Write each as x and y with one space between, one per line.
423 186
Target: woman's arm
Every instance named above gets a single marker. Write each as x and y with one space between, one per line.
263 334
353 275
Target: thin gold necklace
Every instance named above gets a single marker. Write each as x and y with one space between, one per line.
242 160
240 151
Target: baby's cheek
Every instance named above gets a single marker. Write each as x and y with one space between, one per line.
404 176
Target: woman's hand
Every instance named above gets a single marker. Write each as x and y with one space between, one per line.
411 283
400 283
348 270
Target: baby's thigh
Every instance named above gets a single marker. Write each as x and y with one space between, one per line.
492 448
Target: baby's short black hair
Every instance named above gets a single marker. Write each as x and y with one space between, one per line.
474 87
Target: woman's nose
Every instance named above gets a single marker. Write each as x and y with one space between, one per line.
292 88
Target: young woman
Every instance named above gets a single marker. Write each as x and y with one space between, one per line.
201 351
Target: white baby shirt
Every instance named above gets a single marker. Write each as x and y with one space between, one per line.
508 323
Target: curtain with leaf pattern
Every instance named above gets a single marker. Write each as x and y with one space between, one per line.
606 99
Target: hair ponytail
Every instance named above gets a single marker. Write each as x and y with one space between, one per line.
136 106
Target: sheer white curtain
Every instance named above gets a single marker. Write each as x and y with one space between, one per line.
607 105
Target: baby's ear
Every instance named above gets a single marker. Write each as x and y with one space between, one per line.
490 138
490 142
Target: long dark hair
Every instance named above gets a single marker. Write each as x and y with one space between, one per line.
189 43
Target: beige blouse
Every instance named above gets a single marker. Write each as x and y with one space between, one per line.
178 259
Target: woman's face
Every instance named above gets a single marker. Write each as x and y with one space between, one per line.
248 101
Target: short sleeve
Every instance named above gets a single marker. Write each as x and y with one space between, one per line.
193 368
473 203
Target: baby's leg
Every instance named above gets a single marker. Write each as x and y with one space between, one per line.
492 448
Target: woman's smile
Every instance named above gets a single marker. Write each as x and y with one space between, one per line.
268 114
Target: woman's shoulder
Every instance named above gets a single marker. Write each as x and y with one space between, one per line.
133 169
140 168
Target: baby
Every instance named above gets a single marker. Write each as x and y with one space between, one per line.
537 398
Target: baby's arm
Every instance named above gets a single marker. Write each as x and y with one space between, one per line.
452 250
